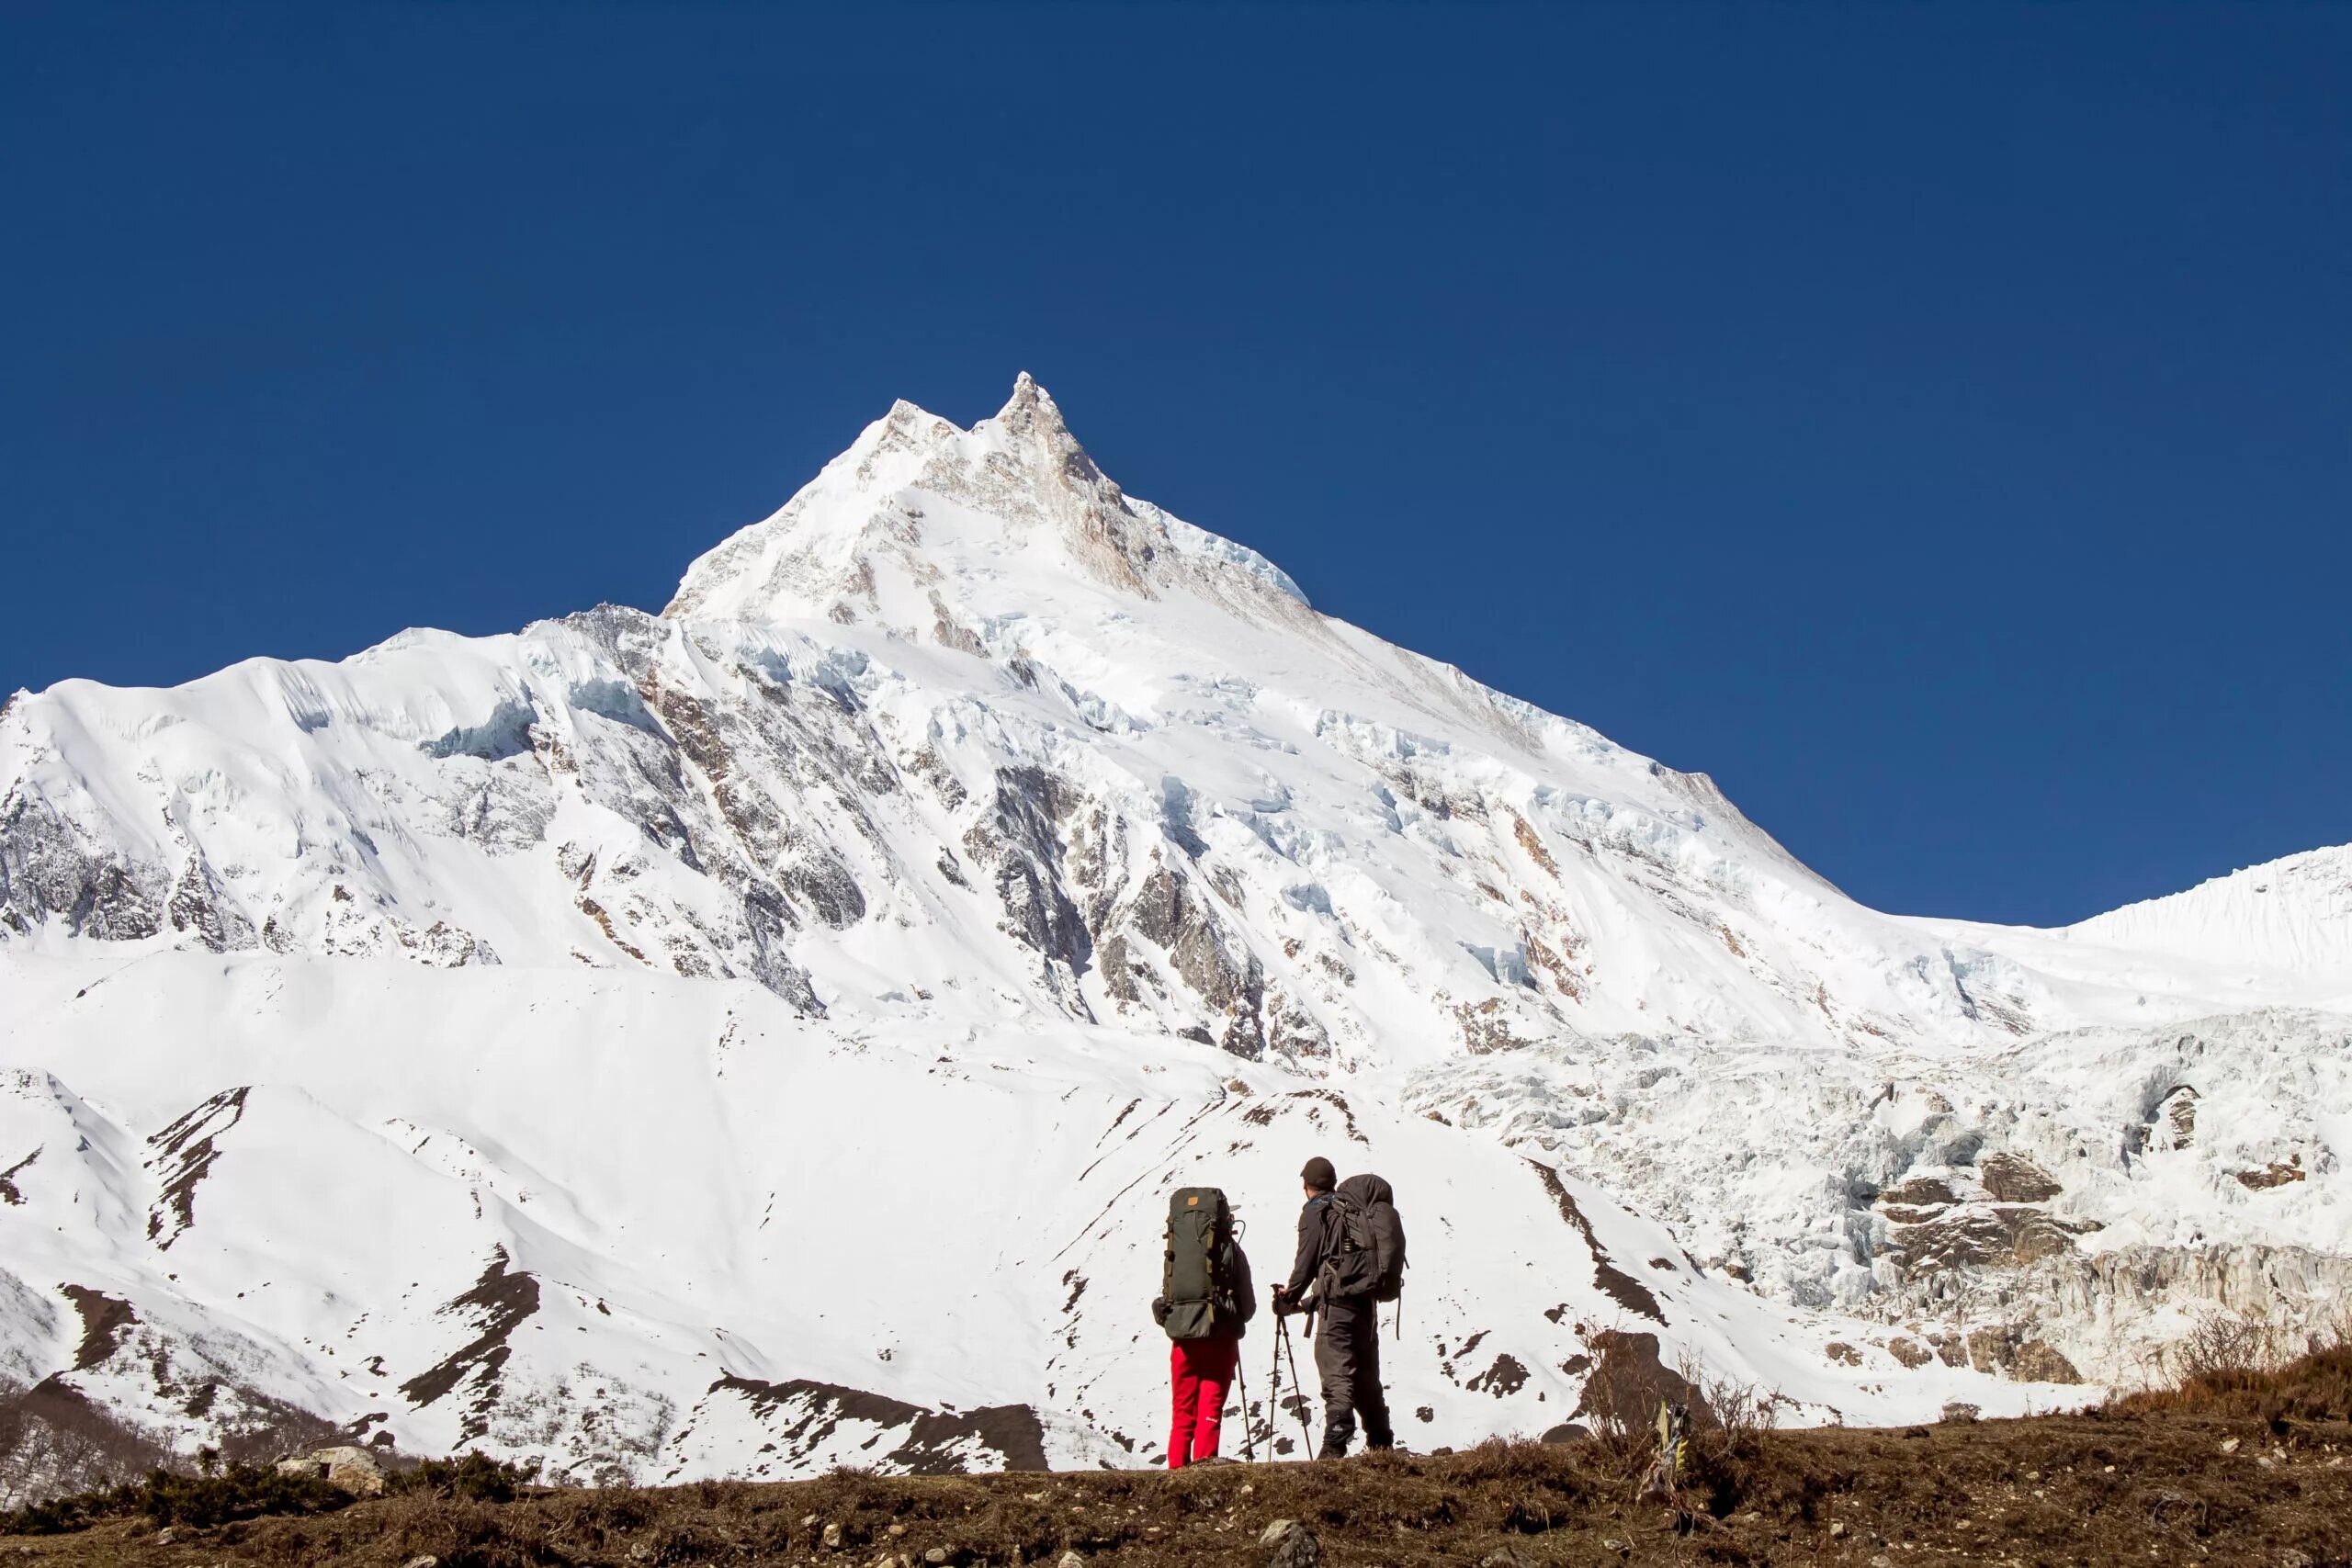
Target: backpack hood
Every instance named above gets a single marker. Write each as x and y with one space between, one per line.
1367 1189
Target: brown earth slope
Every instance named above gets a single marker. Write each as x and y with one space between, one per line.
2253 1469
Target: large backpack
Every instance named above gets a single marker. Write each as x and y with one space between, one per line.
1367 1260
1195 1299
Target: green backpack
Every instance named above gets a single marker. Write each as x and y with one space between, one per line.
1191 1287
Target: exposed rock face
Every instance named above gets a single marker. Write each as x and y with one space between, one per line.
1951 1236
354 1470
2275 1174
51 871
2013 1179
1629 1381
2036 1361
1170 912
1019 845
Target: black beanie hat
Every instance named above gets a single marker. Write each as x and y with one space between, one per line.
1317 1172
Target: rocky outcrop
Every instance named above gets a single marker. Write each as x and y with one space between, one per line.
54 871
1017 844
1932 1230
352 1469
1184 923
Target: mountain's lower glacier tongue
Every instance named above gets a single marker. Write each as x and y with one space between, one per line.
762 1036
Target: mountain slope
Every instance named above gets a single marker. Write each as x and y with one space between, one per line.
2287 917
968 854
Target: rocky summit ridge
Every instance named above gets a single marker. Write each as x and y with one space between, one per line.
758 1035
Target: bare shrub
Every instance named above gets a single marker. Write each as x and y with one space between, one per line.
2330 1330
2246 1364
1729 1422
2223 1346
1621 1414
1742 1411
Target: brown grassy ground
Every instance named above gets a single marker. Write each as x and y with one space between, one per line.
2246 1469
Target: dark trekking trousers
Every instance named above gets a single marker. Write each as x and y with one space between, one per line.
1347 1353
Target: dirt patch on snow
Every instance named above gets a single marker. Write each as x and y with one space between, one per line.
804 1413
103 1317
8 1193
503 1301
1620 1286
183 1154
1506 1377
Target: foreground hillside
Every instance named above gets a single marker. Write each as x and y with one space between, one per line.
2243 1469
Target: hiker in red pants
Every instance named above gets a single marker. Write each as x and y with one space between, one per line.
1205 1303
1203 1370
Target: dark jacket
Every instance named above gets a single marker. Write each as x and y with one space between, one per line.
1245 1294
1315 1241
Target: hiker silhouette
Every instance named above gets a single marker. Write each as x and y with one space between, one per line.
1341 1275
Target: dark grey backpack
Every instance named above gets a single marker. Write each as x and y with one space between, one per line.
1368 1260
1192 1289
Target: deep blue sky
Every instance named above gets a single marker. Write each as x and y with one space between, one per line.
1933 421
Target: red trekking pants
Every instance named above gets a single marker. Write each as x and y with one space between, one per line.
1203 1369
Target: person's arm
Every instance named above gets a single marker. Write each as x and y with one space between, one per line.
1245 1294
1310 1250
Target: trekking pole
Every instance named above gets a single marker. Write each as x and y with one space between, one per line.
1248 1445
1298 1388
1274 1400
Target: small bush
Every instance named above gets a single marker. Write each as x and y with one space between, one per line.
1726 1454
59 1516
470 1477
214 1498
683 1542
239 1491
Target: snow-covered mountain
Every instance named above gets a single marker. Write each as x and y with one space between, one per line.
763 1036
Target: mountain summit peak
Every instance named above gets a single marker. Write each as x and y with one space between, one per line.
1029 398
1031 415
919 511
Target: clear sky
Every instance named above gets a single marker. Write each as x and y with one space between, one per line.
1932 420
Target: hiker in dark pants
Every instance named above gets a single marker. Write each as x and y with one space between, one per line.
1346 1334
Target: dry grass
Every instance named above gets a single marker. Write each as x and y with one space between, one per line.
2307 1388
2246 1366
2243 1465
